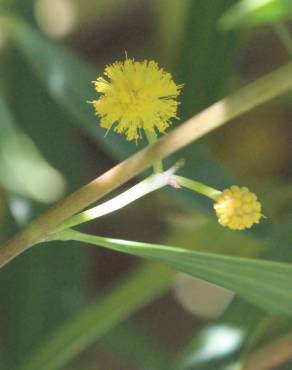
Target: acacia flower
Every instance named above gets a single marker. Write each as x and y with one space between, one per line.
136 96
238 208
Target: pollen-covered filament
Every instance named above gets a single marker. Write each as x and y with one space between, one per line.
238 208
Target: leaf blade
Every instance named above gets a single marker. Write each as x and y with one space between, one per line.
265 284
248 13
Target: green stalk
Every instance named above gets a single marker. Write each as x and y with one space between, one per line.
197 187
150 184
152 138
242 101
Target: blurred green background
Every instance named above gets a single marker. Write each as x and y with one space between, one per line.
50 144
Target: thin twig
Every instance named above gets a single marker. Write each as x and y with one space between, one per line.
242 101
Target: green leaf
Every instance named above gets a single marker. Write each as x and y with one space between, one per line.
238 326
263 283
43 287
205 61
23 169
146 284
137 346
68 81
255 12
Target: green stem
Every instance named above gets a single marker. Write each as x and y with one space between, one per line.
242 101
152 138
198 187
284 35
150 184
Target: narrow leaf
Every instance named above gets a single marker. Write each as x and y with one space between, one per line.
263 283
23 169
255 12
68 81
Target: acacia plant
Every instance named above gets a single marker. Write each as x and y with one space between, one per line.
138 101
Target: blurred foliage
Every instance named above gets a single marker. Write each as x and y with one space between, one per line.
19 156
256 12
50 143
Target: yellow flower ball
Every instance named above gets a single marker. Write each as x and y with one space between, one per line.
136 96
238 208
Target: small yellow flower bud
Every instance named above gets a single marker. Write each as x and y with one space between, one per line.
238 208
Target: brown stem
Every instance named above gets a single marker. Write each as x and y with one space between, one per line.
216 115
271 356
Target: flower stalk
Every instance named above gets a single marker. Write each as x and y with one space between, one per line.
197 187
152 138
150 184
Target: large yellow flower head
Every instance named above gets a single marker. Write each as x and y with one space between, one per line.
238 208
136 96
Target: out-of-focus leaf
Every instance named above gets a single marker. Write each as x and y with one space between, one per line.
204 64
42 287
221 341
8 228
101 11
23 170
248 13
171 23
132 344
68 81
24 9
262 283
128 296
206 58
